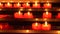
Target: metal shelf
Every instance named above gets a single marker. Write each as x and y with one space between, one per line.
31 19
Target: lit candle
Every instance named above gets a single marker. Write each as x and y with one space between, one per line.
46 26
58 16
47 15
28 15
8 5
36 26
47 5
17 5
1 5
26 5
18 15
36 5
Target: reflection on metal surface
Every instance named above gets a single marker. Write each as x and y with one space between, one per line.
30 9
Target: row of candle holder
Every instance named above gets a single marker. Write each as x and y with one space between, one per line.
38 26
27 5
5 26
30 15
35 26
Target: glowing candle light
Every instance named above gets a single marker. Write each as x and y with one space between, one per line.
1 5
58 16
8 5
28 15
36 5
46 26
1 27
17 5
36 26
18 15
47 5
47 15
27 5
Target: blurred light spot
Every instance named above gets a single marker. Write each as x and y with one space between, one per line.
58 32
45 19
36 19
29 9
27 31
21 9
46 9
0 9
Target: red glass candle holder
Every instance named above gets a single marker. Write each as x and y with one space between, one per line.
46 26
18 15
47 5
36 26
17 5
28 15
27 5
8 5
47 15
58 16
36 6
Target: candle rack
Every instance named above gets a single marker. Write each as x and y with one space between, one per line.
24 25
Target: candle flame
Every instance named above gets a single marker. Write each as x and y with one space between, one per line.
36 24
27 4
47 12
19 12
8 4
28 13
35 3
48 4
0 3
46 23
18 4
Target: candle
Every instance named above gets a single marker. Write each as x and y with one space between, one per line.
47 15
1 5
17 5
26 5
46 26
3 16
36 5
1 26
36 26
28 15
8 5
18 15
58 16
47 5
6 26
